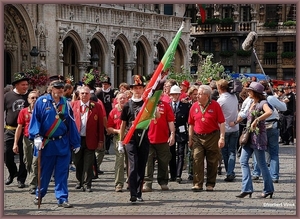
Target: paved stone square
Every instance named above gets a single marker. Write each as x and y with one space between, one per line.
179 200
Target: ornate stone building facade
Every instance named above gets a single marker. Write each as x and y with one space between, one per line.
227 26
128 38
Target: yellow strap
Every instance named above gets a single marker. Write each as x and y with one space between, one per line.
10 127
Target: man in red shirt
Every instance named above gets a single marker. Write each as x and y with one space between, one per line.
30 161
113 127
167 87
185 85
206 137
161 136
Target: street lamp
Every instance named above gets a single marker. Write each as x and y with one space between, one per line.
95 60
34 54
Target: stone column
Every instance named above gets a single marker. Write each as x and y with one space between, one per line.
129 66
82 66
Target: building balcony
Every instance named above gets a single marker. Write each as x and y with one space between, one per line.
200 29
107 15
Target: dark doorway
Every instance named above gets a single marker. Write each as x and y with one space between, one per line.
7 68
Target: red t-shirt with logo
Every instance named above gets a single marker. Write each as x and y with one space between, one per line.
211 119
166 98
159 128
114 118
24 120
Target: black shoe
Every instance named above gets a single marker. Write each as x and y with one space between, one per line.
286 143
219 170
65 204
139 199
10 179
83 189
265 195
190 177
32 191
89 189
106 152
95 177
100 172
255 177
178 179
21 185
173 179
133 199
36 201
78 186
229 178
244 194
275 180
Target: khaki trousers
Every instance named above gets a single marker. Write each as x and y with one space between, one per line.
205 147
163 155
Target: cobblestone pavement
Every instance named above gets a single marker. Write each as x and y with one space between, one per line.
179 200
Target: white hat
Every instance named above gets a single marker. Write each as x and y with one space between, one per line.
175 90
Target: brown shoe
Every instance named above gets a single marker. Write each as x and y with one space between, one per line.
209 188
146 189
118 189
164 187
197 189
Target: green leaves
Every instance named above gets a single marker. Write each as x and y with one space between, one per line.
210 70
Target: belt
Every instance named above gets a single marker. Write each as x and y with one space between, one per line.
272 120
10 127
204 134
53 138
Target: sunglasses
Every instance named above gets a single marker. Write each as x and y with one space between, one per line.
59 87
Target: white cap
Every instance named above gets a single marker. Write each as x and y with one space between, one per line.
175 90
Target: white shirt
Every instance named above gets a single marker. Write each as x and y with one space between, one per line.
83 118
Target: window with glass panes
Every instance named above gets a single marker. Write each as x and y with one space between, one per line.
245 13
208 45
271 13
226 44
289 46
270 47
226 11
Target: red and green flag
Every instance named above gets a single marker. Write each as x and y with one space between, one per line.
202 11
154 88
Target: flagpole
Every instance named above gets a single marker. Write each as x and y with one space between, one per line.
160 74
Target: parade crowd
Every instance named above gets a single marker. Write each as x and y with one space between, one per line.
194 126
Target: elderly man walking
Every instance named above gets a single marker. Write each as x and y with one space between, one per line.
206 137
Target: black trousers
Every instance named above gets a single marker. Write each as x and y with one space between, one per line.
137 158
9 156
83 161
288 129
177 160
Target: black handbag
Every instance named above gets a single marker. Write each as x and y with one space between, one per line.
244 138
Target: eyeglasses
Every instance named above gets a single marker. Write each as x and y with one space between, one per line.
33 98
59 87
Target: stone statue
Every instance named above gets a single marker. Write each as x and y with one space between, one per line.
112 50
134 51
155 52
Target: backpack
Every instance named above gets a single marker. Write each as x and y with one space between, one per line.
234 86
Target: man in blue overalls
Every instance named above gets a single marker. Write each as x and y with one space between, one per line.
54 132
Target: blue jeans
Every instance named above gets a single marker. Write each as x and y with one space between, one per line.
229 151
273 150
247 185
